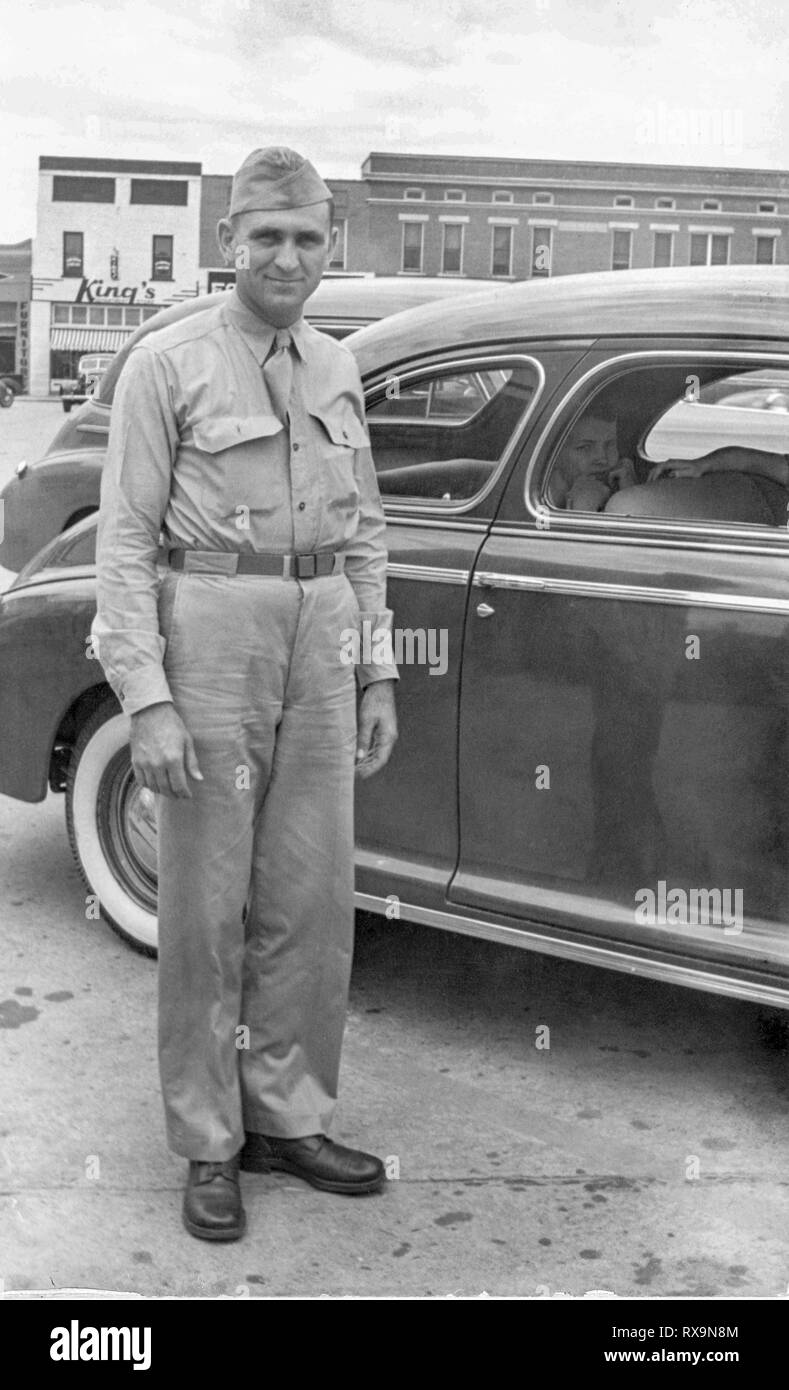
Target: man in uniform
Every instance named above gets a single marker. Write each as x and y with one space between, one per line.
239 434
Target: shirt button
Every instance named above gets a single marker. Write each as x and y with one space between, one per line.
295 447
302 505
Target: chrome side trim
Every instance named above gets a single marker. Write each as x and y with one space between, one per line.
560 520
529 938
441 523
776 540
636 593
432 573
482 360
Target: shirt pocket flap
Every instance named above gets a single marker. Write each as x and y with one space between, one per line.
343 426
212 436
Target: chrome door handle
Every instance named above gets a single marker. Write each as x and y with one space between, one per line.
484 610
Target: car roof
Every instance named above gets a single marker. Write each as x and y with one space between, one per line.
352 301
729 301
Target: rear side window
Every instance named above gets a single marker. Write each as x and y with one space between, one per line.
701 441
440 436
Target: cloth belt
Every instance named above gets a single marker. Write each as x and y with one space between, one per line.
313 566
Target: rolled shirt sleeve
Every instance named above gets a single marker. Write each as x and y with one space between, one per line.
135 487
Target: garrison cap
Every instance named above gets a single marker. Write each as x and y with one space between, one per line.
276 177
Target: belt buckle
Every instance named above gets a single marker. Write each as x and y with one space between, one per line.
306 566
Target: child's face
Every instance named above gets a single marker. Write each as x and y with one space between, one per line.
590 450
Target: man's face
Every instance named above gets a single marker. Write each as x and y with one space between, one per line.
590 450
279 258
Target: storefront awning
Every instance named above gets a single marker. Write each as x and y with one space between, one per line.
89 339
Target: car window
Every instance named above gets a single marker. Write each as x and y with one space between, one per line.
456 397
439 436
689 441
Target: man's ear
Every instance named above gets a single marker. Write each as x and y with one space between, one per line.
226 238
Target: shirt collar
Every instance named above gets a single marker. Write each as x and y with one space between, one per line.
256 332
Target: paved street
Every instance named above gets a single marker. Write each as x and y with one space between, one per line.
643 1152
25 431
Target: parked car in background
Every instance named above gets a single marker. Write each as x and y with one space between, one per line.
607 782
46 497
11 385
90 370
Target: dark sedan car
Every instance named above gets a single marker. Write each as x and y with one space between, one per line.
593 705
46 497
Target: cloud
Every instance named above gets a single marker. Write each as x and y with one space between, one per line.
209 79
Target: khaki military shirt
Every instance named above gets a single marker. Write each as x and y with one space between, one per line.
196 453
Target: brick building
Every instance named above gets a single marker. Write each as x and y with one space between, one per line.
117 239
510 219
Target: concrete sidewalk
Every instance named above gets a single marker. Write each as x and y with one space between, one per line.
521 1170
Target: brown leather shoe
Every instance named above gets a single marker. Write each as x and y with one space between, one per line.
328 1166
212 1207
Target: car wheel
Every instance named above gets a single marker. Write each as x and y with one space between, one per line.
112 828
6 396
67 406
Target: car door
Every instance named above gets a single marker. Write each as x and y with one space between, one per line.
444 434
623 729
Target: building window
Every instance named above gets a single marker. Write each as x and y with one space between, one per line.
711 205
337 261
768 207
765 250
82 190
662 251
160 192
501 195
73 254
543 200
501 251
415 194
668 204
709 248
114 316
454 195
541 251
412 245
452 249
162 268
621 249
623 201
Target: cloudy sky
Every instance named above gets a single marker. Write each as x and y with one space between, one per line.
667 81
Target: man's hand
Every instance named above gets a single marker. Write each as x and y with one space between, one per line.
162 752
377 728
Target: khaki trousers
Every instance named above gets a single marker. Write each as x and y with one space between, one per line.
251 1012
